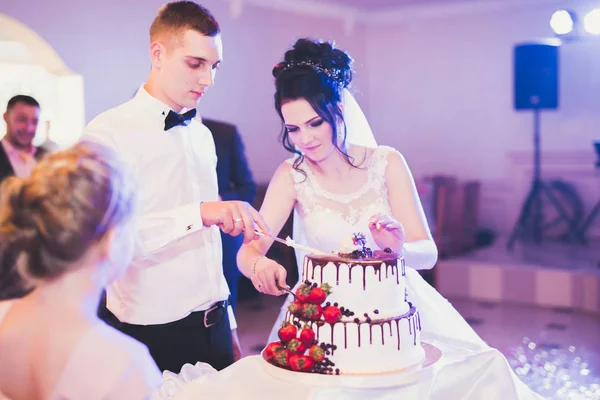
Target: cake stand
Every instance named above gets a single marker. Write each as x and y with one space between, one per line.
401 377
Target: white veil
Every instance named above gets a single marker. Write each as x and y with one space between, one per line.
359 133
358 130
437 313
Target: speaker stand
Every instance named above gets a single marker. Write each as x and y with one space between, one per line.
531 218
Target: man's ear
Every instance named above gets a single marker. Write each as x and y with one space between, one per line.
157 54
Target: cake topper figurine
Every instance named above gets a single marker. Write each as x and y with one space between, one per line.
360 249
359 239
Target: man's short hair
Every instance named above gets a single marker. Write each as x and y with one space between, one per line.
21 98
177 16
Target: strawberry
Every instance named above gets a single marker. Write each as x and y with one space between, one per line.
316 353
295 308
300 363
282 358
332 314
272 349
318 295
311 311
307 336
287 332
302 292
295 346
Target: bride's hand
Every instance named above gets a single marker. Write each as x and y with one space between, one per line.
267 274
387 232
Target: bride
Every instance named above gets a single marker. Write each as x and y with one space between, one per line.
340 182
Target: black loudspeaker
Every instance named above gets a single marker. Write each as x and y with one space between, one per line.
536 76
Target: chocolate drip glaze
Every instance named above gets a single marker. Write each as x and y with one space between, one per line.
375 263
318 328
412 318
414 323
398 333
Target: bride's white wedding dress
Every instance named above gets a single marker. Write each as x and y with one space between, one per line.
471 370
322 219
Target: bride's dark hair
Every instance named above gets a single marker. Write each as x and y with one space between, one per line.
317 72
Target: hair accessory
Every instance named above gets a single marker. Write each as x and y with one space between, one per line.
333 73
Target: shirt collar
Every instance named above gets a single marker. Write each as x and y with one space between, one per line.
9 148
153 104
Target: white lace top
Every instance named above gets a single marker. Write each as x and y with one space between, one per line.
328 217
322 219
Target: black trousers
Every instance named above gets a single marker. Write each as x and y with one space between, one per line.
231 246
176 343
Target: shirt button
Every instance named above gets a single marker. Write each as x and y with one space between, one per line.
189 228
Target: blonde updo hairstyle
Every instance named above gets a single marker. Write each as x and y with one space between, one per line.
69 203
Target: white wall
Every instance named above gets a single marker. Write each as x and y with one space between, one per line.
107 43
439 90
442 93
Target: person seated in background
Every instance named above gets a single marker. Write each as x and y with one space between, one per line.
235 183
68 231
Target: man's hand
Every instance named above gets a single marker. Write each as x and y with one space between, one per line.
237 347
233 218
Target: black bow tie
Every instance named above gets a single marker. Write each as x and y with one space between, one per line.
173 119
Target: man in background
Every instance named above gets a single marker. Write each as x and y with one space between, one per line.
235 183
18 155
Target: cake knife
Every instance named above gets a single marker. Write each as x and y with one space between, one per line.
290 242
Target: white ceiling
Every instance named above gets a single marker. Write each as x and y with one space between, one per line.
386 5
391 10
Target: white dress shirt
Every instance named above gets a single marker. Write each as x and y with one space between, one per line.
177 268
22 161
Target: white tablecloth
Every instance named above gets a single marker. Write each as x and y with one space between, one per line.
463 372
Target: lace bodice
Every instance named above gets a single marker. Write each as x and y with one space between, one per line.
327 217
322 219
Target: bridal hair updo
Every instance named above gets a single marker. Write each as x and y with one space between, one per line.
49 220
317 72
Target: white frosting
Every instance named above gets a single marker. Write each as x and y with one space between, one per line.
363 348
347 245
392 340
361 288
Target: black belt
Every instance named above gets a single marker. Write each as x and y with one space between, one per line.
214 314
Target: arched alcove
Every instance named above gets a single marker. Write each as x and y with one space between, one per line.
29 65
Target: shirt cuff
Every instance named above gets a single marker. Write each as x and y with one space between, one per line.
189 219
232 321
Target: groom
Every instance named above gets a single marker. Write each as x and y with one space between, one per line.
174 298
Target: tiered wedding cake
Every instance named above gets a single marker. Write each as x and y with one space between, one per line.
350 316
